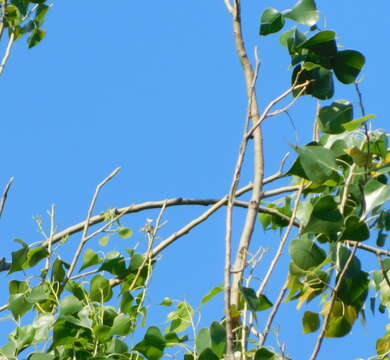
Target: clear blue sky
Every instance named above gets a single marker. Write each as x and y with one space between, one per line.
155 87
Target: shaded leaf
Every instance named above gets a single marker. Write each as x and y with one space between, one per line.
332 118
310 322
347 65
36 37
271 21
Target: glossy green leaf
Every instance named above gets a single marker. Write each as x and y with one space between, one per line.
304 12
310 322
18 305
355 124
122 325
17 287
207 354
322 44
291 39
318 162
264 354
355 229
306 254
218 338
40 14
212 293
90 259
332 118
36 37
153 344
100 289
118 347
70 305
271 21
181 318
325 217
375 194
12 15
102 332
125 232
263 303
203 340
347 65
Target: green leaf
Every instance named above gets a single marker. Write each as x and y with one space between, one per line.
332 118
70 305
355 124
125 232
291 39
40 14
271 22
36 37
100 289
347 65
355 229
166 302
153 344
304 12
325 217
41 356
203 340
116 346
126 303
19 257
58 272
207 354
306 254
310 322
180 319
263 303
114 263
22 5
18 287
218 339
12 15
213 292
122 325
375 194
318 162
321 81
250 298
39 293
102 332
264 354
34 256
323 44
103 241
18 305
90 259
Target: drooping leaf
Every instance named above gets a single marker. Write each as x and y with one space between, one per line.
122 325
36 37
375 194
40 14
203 340
271 21
306 254
355 229
100 289
213 292
264 354
318 162
263 303
304 12
310 322
90 259
325 217
18 305
347 65
320 81
218 339
153 344
332 118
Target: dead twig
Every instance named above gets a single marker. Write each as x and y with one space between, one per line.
5 194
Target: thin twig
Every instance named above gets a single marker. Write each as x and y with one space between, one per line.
229 6
327 316
282 243
5 194
50 240
84 238
272 315
384 272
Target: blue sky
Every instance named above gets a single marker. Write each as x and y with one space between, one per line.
157 89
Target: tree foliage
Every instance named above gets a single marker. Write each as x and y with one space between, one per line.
336 201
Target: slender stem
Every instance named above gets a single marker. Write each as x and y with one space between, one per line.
5 194
7 52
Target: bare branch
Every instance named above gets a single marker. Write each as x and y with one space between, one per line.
273 314
7 52
84 238
5 194
282 242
